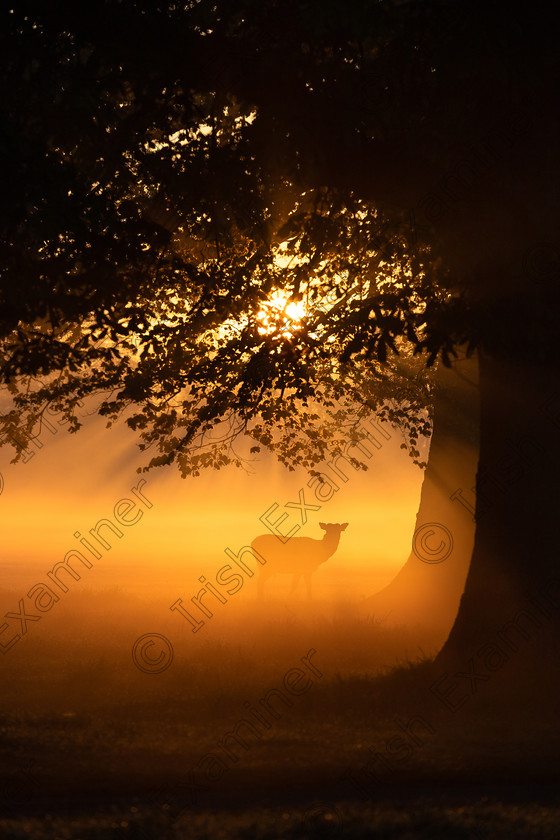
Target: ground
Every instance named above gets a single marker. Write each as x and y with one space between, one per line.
94 747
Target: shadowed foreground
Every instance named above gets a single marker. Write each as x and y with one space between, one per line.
499 819
93 747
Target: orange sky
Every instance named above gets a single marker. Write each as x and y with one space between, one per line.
75 480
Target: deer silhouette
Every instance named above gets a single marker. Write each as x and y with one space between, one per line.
298 556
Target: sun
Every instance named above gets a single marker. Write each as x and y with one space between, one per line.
281 316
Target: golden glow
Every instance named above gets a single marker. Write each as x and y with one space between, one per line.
191 521
281 315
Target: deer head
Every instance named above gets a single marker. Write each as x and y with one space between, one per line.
333 527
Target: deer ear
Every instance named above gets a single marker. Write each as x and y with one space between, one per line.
323 526
344 526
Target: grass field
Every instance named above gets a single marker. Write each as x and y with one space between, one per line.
94 747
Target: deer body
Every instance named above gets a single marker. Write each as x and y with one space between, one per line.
298 556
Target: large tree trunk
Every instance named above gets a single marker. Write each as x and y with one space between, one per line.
510 609
426 592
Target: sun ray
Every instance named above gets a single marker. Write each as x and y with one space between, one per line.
281 316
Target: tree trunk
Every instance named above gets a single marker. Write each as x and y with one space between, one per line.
426 592
510 609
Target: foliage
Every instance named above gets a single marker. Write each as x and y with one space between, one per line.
169 168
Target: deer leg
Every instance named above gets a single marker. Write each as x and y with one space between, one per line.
295 581
307 578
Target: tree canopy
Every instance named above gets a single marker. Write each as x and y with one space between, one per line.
170 171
